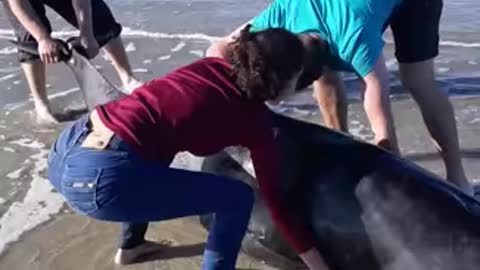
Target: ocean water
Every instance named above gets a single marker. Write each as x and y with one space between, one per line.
457 67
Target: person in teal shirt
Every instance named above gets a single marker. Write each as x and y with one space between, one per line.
352 28
351 31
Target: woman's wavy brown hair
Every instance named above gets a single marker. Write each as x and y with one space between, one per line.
263 62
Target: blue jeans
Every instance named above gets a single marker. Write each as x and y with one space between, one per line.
115 184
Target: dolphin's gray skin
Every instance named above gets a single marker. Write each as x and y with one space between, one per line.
95 88
368 208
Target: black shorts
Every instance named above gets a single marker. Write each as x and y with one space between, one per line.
105 27
415 27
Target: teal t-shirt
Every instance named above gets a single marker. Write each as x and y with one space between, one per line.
352 28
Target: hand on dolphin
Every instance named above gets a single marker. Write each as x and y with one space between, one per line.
49 50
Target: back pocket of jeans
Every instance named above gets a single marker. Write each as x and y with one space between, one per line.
79 186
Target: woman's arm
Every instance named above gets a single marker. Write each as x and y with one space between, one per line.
377 106
266 161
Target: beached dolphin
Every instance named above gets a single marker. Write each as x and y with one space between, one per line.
368 208
95 88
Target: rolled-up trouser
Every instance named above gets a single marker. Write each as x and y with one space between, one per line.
105 27
115 184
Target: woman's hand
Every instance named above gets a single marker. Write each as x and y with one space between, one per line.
314 260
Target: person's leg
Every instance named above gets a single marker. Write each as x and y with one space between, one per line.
116 53
107 32
35 74
190 193
33 67
438 115
415 27
331 99
160 193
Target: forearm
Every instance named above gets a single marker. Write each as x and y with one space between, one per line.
377 107
83 12
330 95
26 15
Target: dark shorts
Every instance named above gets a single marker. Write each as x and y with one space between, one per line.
105 27
415 27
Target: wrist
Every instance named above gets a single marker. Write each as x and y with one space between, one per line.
43 37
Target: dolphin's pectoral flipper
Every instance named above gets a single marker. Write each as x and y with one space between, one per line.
95 87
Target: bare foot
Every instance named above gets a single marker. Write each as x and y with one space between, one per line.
45 117
129 256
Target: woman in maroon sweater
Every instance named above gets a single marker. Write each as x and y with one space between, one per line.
113 164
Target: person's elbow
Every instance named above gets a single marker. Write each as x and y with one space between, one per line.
377 77
218 48
376 87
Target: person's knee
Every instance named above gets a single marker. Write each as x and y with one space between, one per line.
418 77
